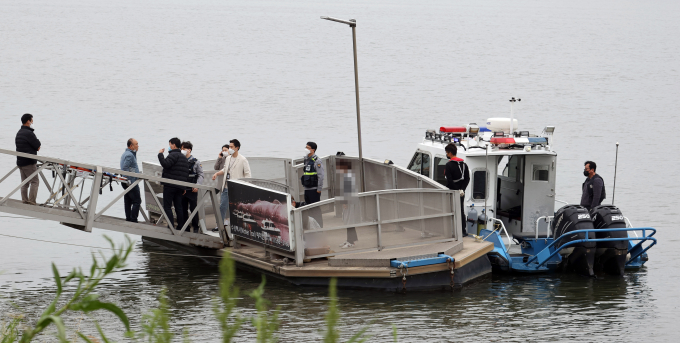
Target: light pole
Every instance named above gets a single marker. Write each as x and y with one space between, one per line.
353 24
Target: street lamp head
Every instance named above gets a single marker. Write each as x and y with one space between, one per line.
351 22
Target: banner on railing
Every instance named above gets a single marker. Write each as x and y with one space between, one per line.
260 214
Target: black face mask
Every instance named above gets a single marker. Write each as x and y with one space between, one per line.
586 173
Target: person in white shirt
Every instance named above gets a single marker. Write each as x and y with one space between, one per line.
235 167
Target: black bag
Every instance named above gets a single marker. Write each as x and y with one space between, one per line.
309 181
124 185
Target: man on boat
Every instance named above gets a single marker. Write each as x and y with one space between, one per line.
28 143
190 199
132 199
175 167
236 167
593 187
457 176
312 179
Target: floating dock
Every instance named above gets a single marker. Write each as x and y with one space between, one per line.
406 228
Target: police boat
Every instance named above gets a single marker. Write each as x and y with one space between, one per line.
511 202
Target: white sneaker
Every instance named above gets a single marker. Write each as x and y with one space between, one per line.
347 245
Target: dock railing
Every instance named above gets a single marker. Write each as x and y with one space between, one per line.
84 211
376 220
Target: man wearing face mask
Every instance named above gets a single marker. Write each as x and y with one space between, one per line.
457 176
593 187
28 143
219 163
175 167
132 199
312 179
190 199
235 167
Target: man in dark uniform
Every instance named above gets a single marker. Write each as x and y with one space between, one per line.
457 176
312 179
593 187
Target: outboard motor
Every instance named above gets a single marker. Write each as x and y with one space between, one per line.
610 256
579 257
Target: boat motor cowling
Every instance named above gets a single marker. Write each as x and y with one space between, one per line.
579 257
571 218
610 256
609 217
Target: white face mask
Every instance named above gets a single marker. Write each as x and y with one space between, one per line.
307 152
185 152
31 125
231 151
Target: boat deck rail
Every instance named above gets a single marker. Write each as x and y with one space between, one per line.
379 220
636 251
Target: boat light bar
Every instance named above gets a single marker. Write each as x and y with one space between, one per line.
456 129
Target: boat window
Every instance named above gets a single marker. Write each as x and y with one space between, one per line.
439 169
479 185
416 163
540 173
512 168
426 165
420 163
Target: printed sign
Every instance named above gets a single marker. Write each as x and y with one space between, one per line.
259 214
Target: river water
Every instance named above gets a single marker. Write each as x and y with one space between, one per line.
275 76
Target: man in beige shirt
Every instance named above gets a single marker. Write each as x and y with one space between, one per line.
235 167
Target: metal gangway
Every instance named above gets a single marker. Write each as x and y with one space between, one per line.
74 198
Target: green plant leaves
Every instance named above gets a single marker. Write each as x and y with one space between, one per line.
90 303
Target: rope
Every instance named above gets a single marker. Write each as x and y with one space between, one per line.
88 246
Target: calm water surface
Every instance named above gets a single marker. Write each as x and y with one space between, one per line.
274 75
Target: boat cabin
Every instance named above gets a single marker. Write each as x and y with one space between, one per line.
512 176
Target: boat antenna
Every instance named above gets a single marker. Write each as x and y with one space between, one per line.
486 182
512 116
616 163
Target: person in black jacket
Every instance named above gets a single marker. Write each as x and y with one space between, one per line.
457 176
28 143
175 167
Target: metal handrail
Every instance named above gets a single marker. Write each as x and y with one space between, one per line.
378 222
547 229
642 239
89 215
506 232
93 168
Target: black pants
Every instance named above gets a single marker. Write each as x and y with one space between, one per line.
173 196
189 203
132 201
463 218
311 196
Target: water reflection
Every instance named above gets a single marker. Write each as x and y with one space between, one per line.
512 306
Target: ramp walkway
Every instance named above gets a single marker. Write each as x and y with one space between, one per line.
71 193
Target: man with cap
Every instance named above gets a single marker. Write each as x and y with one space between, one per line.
312 179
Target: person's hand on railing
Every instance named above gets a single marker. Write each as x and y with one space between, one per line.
195 190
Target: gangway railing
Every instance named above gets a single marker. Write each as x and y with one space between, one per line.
548 252
84 213
379 219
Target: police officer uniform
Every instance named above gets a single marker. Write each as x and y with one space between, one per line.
457 176
312 181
